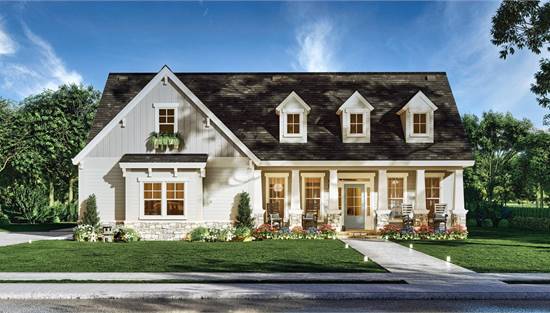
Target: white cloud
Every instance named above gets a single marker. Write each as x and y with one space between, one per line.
316 47
34 68
7 45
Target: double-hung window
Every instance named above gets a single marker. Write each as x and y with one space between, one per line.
293 123
419 124
163 199
357 124
166 115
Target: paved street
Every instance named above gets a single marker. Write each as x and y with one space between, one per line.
243 306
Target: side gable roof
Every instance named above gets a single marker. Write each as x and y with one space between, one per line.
245 104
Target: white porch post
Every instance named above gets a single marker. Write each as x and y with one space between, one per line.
295 214
420 211
257 199
334 215
382 212
459 211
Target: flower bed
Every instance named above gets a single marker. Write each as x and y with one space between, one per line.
395 232
262 232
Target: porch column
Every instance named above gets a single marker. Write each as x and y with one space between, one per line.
459 211
295 213
382 212
420 211
257 198
334 215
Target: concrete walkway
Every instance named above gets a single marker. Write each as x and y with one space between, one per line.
13 238
399 259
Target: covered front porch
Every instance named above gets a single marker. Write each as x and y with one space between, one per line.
363 199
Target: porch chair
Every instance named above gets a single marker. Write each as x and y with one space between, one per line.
273 214
309 217
440 216
407 215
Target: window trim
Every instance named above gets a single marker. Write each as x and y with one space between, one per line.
166 105
397 175
321 176
267 197
164 200
300 122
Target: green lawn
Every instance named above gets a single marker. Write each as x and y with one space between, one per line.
179 256
34 227
494 250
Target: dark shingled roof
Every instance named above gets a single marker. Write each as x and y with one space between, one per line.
163 158
246 102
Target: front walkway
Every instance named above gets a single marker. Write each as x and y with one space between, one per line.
13 238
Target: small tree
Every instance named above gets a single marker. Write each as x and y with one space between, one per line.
91 217
244 213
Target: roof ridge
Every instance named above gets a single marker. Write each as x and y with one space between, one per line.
285 73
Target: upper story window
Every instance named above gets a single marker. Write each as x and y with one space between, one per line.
417 119
167 121
419 123
293 124
355 119
293 113
166 118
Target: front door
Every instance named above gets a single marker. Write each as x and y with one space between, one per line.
354 206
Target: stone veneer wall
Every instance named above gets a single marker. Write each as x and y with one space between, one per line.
169 230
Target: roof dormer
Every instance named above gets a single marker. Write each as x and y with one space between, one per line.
293 113
355 119
417 119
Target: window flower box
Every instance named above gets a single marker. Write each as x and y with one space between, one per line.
163 140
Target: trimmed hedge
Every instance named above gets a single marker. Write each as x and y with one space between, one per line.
529 212
531 223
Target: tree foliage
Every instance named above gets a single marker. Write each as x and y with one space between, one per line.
526 24
244 213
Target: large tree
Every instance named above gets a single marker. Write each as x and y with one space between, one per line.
537 156
497 139
13 139
526 24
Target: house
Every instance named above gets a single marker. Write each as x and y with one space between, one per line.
350 148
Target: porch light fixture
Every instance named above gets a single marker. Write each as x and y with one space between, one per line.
366 258
30 241
410 246
449 259
346 246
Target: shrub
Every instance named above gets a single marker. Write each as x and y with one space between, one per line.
85 233
327 231
456 233
487 223
68 212
471 222
503 223
30 205
241 233
244 213
91 217
219 234
532 223
199 234
4 219
264 231
125 234
394 232
390 231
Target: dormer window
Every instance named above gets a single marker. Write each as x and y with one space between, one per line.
419 124
355 119
293 124
293 113
417 119
166 118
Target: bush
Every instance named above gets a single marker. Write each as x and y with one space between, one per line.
199 234
125 234
241 233
85 233
4 219
91 217
487 223
395 232
219 234
471 222
244 213
531 223
68 212
29 205
503 223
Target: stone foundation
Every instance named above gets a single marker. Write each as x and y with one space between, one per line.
169 230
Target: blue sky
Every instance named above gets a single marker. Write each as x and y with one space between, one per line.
44 44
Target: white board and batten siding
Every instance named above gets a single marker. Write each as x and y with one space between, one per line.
227 169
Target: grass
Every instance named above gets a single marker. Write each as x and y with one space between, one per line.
494 251
179 256
34 227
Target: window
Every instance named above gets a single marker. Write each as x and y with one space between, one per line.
312 194
419 123
356 123
293 123
276 193
396 191
175 199
152 197
166 121
163 199
432 193
354 201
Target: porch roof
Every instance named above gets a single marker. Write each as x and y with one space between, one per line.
164 158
